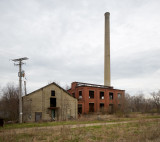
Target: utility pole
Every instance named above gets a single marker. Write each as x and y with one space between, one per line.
20 74
25 90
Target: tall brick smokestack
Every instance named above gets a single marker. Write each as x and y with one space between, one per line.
107 81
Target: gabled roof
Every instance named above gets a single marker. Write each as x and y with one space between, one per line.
47 86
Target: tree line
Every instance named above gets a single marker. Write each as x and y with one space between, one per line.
9 103
138 103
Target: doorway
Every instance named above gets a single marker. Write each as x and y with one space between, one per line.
38 116
91 107
79 108
52 102
53 114
111 108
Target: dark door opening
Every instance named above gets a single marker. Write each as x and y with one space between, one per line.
91 107
79 108
52 102
111 108
101 106
53 114
1 122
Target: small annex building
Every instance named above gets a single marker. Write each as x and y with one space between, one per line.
49 103
96 98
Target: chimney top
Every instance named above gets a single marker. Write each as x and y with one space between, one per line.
107 13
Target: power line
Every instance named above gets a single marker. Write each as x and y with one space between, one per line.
20 75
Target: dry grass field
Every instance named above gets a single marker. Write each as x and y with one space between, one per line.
142 128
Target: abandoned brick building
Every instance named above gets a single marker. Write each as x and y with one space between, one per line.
95 98
49 103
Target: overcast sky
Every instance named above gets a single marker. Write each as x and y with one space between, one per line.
64 41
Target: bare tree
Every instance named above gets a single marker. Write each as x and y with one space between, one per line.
9 102
156 99
139 102
149 105
125 107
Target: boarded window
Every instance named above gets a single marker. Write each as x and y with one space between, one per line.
80 94
110 95
101 95
80 108
52 93
91 94
91 107
52 102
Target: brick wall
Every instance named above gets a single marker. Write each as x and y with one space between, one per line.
85 100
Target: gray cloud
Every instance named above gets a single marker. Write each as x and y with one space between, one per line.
64 41
139 64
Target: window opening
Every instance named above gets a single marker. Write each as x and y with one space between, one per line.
80 94
110 95
52 93
119 95
101 95
91 94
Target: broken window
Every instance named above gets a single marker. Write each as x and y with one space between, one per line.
119 95
80 108
110 95
101 95
91 94
91 107
52 102
52 93
80 94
